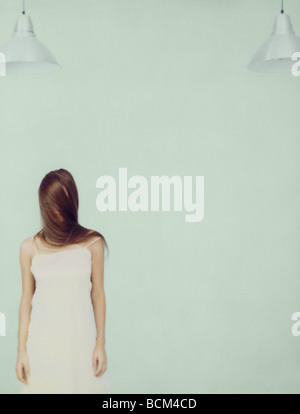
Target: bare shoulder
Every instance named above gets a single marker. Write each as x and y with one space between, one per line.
96 245
26 244
95 242
26 250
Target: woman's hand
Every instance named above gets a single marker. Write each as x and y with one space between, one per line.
99 360
22 367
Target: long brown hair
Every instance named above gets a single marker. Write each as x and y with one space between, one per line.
58 194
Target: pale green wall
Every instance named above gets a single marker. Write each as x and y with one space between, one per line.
160 87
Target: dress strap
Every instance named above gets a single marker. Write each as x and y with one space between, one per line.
35 245
93 241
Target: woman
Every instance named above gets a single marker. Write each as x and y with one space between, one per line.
62 313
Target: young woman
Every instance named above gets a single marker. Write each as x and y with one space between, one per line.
62 313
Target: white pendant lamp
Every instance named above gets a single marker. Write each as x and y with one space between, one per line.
275 55
24 54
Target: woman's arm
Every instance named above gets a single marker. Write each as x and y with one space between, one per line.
99 305
28 289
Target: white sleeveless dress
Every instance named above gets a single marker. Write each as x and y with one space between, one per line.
62 331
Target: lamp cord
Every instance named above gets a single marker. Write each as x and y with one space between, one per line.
282 6
23 6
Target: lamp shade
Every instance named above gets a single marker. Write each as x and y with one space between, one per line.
24 53
275 55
